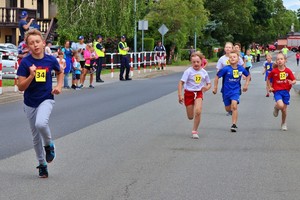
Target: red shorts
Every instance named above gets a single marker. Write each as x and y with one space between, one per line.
189 97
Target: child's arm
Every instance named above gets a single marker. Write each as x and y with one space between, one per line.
180 86
207 87
265 69
24 82
59 77
245 88
269 85
216 81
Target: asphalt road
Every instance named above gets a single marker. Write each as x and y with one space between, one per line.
131 141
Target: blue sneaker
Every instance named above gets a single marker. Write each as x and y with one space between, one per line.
43 171
50 153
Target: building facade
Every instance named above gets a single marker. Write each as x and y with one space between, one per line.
43 11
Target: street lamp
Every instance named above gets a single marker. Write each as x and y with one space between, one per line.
135 34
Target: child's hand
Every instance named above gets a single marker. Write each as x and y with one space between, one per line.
271 89
180 99
215 90
32 70
245 89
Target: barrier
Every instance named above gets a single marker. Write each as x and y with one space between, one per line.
149 58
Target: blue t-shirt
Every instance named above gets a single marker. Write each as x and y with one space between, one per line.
22 22
37 92
232 79
269 67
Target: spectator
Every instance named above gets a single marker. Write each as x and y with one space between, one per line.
68 57
100 51
160 51
23 25
123 49
47 48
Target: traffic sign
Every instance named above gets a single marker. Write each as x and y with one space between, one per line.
163 29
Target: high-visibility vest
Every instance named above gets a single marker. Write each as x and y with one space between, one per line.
98 51
121 51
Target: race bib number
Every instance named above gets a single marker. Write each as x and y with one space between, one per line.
236 73
198 79
227 62
268 66
40 75
282 75
249 59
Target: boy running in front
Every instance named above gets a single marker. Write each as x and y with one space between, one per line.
34 77
231 87
282 81
195 81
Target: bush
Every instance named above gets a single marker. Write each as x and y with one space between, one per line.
184 54
148 44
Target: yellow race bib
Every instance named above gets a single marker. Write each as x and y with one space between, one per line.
198 78
236 73
282 75
227 62
40 75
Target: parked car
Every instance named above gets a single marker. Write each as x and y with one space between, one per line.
13 49
8 65
272 47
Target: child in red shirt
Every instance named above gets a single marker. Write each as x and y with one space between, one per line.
297 57
282 81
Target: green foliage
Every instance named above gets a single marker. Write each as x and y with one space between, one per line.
148 44
184 54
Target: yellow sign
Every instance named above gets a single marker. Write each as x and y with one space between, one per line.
40 75
198 79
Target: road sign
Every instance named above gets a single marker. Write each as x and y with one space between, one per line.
163 29
143 25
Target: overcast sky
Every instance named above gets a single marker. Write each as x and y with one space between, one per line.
292 4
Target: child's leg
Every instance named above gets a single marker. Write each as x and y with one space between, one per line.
234 111
284 114
42 118
198 110
190 112
36 137
91 78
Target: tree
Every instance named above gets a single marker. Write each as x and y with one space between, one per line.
107 17
183 19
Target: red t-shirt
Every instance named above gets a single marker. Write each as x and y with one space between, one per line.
280 79
297 55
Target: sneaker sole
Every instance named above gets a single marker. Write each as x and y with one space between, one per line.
233 130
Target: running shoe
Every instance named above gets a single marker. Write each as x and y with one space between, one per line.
233 128
275 112
229 113
50 153
81 86
267 95
91 86
284 127
43 171
195 135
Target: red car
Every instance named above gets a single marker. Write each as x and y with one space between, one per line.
272 47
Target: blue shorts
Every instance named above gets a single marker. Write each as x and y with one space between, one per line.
283 95
227 99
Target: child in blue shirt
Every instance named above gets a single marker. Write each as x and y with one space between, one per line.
231 87
268 66
34 77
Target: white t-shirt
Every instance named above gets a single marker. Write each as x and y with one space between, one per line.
224 61
76 47
61 63
195 80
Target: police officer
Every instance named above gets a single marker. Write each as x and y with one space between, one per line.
100 51
123 49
